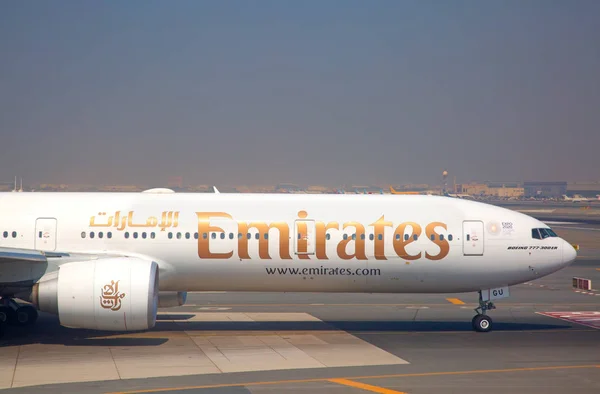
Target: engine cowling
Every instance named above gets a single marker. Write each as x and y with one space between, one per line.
115 294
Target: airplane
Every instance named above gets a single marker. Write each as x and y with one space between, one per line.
107 261
576 199
394 191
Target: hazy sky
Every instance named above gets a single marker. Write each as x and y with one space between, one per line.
311 92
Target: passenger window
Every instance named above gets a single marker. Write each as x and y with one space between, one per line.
195 235
230 235
152 235
299 235
144 235
14 234
135 234
371 237
178 235
222 235
40 234
100 234
362 236
126 234
83 234
397 237
248 236
345 236
441 237
170 235
449 237
5 234
406 237
204 235
380 237
92 234
535 234
328 236
354 236
239 235
415 237
213 235
432 237
266 236
187 235
109 234
256 236
468 237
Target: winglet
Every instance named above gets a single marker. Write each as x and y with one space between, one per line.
215 190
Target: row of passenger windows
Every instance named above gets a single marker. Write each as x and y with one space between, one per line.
12 234
542 233
170 235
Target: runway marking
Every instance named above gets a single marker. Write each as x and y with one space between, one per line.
585 318
364 386
401 375
455 301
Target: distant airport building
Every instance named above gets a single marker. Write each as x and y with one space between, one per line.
545 189
491 189
583 189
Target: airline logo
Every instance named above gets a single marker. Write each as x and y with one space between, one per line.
111 297
404 234
308 230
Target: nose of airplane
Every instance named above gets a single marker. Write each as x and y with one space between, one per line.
569 253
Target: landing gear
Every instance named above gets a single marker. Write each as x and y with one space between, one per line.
14 314
482 322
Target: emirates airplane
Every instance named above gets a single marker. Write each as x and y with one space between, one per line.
107 261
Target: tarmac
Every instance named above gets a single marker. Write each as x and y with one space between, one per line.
546 339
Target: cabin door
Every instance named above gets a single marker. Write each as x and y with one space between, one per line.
304 237
45 234
473 238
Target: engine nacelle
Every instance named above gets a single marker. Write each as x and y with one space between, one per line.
114 294
169 299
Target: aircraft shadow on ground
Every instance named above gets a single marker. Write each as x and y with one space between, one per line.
49 330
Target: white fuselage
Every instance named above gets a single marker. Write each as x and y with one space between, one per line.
287 242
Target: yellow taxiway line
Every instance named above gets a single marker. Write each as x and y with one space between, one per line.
364 386
401 375
455 301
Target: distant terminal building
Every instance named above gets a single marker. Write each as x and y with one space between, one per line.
492 189
288 188
583 189
545 189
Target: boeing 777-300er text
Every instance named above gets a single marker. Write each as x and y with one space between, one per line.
107 261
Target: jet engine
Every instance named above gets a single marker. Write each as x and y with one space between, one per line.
114 294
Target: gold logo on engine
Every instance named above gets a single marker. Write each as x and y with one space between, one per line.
111 297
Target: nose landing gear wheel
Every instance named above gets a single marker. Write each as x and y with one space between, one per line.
482 323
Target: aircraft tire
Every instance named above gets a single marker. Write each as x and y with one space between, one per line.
482 323
7 314
25 316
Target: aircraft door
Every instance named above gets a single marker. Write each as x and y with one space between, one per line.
304 237
45 234
473 238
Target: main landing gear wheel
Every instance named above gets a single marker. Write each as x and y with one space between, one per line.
14 314
482 323
7 314
25 315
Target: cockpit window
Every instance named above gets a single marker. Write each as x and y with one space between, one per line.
542 233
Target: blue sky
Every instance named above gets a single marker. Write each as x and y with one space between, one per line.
312 92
